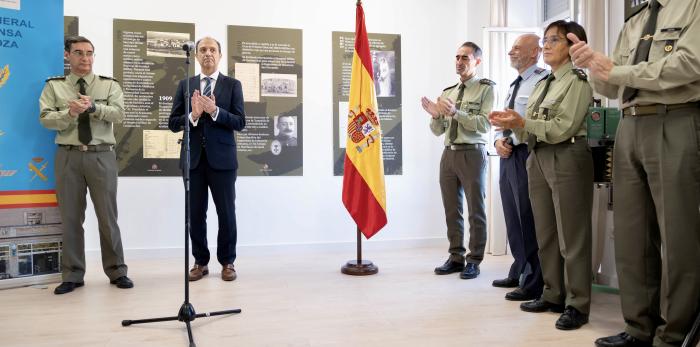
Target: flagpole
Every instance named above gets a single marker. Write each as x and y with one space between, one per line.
359 267
359 244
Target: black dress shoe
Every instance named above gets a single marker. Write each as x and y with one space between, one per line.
470 271
621 340
449 267
506 283
67 287
123 282
571 319
520 295
540 305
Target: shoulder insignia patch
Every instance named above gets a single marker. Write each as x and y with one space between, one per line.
580 74
487 81
450 87
634 12
539 70
108 78
56 78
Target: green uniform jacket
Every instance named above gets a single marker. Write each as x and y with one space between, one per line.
561 114
105 92
672 73
472 116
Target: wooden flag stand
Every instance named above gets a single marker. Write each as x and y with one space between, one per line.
359 267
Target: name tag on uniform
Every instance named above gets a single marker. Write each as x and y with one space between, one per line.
474 105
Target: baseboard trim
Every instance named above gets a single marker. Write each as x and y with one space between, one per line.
368 246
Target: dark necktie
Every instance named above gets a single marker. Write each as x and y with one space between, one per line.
207 86
532 138
511 102
516 87
84 132
453 123
644 45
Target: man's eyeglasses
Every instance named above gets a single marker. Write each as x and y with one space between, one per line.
552 40
81 54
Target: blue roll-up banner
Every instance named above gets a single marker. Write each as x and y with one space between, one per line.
31 49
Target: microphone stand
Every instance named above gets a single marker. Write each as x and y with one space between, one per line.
186 313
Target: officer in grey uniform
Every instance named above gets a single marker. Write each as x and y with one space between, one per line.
81 107
655 73
517 210
461 114
560 178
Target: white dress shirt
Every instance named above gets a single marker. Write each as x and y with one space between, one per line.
202 83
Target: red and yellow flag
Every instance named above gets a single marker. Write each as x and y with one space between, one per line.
364 195
27 198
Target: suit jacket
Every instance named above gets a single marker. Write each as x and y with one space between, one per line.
217 135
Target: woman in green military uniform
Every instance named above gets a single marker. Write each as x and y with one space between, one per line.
560 178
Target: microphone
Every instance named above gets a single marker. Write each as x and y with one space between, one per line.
188 46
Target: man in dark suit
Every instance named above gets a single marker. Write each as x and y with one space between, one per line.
216 111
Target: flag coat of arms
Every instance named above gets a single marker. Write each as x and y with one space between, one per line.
364 194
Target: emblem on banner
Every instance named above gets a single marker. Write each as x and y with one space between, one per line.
38 171
4 75
362 125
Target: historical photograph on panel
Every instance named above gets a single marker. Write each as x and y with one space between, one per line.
165 44
286 130
384 70
283 85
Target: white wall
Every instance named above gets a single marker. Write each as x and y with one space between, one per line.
308 209
523 13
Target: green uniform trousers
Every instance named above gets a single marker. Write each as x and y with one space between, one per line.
76 172
656 175
463 172
560 178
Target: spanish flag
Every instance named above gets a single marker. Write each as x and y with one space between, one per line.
27 198
364 194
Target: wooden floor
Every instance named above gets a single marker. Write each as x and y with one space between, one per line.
296 296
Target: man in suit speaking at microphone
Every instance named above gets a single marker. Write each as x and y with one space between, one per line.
216 105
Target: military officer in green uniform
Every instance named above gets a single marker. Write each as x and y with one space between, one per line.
82 107
461 114
560 177
655 74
